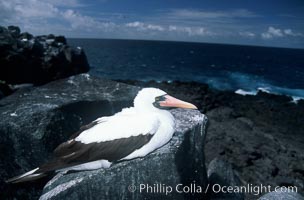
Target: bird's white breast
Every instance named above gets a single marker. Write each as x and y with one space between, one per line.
160 138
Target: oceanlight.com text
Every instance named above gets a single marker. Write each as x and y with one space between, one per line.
252 189
160 188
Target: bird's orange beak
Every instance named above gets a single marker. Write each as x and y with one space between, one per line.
176 103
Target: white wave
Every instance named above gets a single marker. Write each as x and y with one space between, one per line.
266 89
247 84
244 92
296 99
277 91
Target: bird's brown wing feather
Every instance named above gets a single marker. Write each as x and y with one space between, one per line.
72 152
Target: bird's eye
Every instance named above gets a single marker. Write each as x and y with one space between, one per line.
160 98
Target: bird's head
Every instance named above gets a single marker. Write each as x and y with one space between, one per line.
153 98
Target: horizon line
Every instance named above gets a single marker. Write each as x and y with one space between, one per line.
185 41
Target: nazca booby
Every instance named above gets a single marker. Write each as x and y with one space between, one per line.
134 132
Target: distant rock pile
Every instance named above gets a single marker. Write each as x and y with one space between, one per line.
37 60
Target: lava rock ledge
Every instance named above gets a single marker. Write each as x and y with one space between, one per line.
178 167
34 121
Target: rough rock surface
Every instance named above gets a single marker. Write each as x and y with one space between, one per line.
260 136
222 175
257 155
181 161
33 121
28 59
282 195
5 89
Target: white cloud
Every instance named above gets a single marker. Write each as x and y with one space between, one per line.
144 27
172 28
266 35
277 33
155 27
191 31
77 20
18 9
247 34
84 23
201 14
181 29
35 9
272 33
135 24
41 17
65 3
290 32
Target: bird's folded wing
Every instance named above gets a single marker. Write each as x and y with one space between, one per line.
125 112
109 140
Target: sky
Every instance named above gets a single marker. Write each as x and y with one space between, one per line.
278 23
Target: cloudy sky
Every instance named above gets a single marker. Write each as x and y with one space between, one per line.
254 22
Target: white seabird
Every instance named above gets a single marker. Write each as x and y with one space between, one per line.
134 132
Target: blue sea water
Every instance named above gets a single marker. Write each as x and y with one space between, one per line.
225 67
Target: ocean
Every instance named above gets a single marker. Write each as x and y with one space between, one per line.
243 69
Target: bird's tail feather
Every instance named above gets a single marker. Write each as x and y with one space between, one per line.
28 176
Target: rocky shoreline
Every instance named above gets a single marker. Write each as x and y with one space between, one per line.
250 139
258 152
260 136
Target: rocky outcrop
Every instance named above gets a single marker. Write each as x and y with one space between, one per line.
168 173
259 156
33 121
221 175
282 194
38 60
5 89
260 136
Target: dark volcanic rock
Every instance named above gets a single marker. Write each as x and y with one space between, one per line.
38 60
181 161
6 40
34 121
258 155
221 175
26 36
60 39
261 136
14 31
5 89
282 195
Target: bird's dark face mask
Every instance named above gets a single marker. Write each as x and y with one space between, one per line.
167 102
